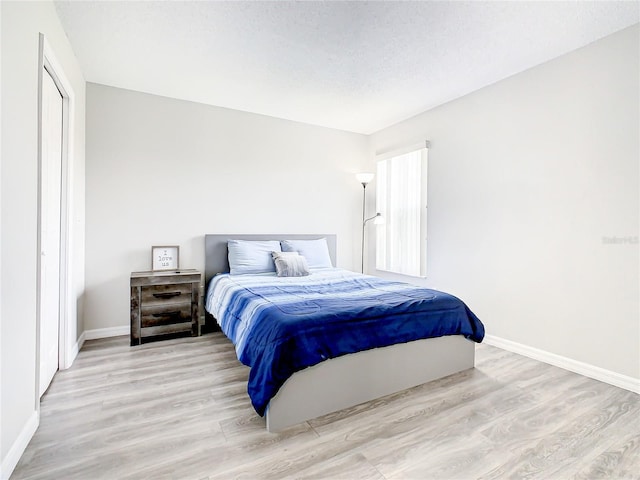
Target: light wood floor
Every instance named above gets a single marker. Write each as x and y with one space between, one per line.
179 409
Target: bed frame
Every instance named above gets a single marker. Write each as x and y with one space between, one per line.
351 379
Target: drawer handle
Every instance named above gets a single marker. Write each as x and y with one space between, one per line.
167 314
167 294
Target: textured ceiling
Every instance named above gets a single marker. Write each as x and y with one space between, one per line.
356 66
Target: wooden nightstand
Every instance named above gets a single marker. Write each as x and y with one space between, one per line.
164 302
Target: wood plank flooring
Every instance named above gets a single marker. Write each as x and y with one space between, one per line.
178 409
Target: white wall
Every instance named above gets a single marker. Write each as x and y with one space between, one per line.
162 171
526 179
21 24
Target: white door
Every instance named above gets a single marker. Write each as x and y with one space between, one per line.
51 170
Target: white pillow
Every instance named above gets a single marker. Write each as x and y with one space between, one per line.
290 264
315 251
249 256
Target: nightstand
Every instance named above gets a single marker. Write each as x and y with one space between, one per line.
163 303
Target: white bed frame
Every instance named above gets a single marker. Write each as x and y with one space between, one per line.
351 379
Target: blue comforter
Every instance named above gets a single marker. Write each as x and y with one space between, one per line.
282 325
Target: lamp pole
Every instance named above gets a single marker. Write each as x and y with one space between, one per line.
378 219
364 179
364 201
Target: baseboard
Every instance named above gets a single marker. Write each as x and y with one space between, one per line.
106 332
19 446
591 371
80 342
76 348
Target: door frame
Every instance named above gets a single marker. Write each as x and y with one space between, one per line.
48 60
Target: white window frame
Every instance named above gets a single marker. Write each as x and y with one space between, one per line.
385 261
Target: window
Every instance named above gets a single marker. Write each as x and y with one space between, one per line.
401 243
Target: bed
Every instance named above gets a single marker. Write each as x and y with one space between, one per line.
290 385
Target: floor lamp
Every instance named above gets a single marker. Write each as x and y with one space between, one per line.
365 179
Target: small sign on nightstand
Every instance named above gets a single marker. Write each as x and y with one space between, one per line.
165 257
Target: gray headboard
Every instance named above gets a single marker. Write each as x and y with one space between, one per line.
215 249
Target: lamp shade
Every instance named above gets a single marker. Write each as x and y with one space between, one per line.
364 178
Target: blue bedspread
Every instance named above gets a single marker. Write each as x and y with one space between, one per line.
282 325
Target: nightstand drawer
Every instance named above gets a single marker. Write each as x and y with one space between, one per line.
166 294
165 314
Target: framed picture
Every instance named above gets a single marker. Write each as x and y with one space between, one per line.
165 257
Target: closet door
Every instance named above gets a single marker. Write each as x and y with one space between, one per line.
51 171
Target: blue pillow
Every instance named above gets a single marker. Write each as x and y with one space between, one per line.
248 256
315 251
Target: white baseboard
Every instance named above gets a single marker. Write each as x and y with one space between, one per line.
19 446
80 342
588 370
106 332
73 353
